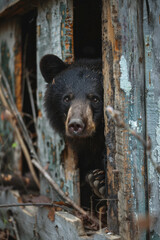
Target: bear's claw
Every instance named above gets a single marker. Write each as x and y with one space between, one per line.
96 180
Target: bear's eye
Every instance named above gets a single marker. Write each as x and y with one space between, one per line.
67 99
95 99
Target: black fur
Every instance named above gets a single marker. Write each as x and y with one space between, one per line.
83 81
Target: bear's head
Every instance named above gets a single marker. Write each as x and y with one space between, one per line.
74 96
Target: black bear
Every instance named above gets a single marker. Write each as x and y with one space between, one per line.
74 107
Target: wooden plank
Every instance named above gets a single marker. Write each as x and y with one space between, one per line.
108 45
35 223
67 31
55 35
44 222
10 60
152 73
123 69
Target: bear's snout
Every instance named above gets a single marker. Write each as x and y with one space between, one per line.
79 122
76 126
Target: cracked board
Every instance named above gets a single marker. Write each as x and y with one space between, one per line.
44 222
152 73
55 35
124 90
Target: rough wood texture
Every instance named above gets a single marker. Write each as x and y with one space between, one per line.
110 59
152 73
38 223
55 35
123 68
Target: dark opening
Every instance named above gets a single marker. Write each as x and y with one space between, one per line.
87 29
87 44
29 81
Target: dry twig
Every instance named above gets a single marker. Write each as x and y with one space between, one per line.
32 204
119 122
10 118
61 193
14 227
13 109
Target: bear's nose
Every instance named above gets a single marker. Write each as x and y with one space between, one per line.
76 126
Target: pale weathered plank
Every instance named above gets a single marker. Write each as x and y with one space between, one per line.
35 223
123 68
55 35
152 81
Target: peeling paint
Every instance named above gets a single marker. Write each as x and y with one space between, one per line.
156 152
133 124
66 32
55 37
111 55
124 90
152 73
148 59
124 78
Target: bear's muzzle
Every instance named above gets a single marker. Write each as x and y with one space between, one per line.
79 122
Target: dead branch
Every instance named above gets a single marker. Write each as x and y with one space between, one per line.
116 116
12 121
26 153
12 220
13 109
119 122
61 193
33 204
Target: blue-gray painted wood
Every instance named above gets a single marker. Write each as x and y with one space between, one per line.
127 53
152 81
34 223
123 69
53 19
132 84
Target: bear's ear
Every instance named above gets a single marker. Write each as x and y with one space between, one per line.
50 66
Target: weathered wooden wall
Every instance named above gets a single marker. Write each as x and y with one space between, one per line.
152 80
42 224
131 85
131 79
55 35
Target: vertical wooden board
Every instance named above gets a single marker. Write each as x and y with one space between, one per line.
67 31
55 35
133 97
152 79
123 69
10 60
37 223
108 46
